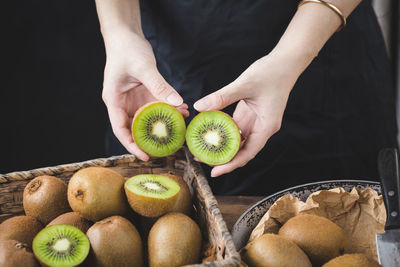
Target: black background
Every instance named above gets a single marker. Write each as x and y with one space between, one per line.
51 107
53 58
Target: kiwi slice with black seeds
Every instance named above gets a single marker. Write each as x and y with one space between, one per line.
213 137
152 195
61 245
158 129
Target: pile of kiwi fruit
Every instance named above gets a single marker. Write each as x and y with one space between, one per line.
304 240
159 129
101 218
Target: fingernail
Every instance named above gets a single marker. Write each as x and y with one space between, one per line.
202 104
174 99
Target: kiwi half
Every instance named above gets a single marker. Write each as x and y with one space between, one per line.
152 195
213 137
158 129
61 245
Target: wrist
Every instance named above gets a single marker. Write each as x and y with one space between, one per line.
296 58
118 39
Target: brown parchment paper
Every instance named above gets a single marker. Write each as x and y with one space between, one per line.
361 214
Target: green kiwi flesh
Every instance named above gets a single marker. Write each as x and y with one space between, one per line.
213 137
61 245
152 195
159 129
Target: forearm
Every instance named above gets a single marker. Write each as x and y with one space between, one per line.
309 30
118 16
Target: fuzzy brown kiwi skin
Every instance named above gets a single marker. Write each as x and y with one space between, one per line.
20 228
74 219
16 254
174 240
356 259
320 238
97 193
45 198
184 202
115 241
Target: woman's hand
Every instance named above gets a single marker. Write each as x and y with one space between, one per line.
131 80
262 91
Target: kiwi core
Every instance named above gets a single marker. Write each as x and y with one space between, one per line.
160 129
62 245
213 138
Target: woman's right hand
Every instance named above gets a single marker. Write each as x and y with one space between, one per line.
131 80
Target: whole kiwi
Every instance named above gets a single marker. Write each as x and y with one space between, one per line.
174 240
275 251
16 254
320 238
97 193
20 228
353 260
184 202
115 241
45 197
74 219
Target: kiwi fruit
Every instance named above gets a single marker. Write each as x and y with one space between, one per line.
184 202
74 219
152 195
61 245
174 240
275 251
213 137
158 129
97 193
352 260
320 238
45 197
115 241
20 228
16 254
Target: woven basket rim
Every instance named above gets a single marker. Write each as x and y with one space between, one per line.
57 169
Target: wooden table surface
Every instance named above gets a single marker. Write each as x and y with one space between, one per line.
233 206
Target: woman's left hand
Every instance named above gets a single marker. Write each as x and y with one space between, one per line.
262 91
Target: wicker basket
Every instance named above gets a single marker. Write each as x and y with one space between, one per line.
219 249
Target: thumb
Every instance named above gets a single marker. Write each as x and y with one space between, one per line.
221 98
159 87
